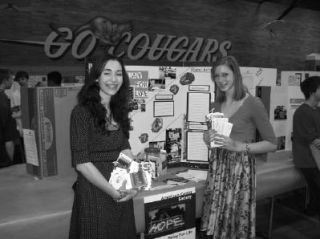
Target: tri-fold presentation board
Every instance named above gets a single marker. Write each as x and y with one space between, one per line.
46 125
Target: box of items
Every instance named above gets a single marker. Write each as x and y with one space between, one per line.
157 161
129 174
46 114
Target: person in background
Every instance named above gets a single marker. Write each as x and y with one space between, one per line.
8 127
54 78
306 131
99 131
229 196
20 80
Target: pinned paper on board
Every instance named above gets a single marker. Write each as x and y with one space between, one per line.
30 147
163 108
197 150
173 145
198 104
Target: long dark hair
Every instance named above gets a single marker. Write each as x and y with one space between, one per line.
90 98
239 88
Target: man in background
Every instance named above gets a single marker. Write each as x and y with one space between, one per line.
306 132
54 78
14 93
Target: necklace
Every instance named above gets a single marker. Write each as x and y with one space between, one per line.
110 124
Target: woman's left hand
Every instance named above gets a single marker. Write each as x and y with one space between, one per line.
227 143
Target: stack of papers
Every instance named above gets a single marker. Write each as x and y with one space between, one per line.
220 124
194 175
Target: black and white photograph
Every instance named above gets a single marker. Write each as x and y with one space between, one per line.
215 103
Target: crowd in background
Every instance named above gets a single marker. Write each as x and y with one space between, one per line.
11 133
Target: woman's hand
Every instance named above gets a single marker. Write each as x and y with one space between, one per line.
116 195
228 143
127 194
208 136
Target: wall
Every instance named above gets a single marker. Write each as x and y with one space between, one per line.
239 21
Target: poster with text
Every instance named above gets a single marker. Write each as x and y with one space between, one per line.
170 214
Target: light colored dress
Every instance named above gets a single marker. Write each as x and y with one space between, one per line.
230 190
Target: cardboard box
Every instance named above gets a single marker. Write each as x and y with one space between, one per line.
47 110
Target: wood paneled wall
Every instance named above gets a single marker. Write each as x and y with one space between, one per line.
239 21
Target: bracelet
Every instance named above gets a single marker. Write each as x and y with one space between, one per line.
247 149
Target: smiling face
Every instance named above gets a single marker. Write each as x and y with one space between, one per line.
111 79
224 78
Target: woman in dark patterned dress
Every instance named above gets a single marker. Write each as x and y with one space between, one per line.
99 132
229 197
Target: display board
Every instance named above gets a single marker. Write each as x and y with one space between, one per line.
159 105
258 76
46 115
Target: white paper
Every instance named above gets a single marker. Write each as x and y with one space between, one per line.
220 124
163 108
199 174
194 175
198 106
197 149
30 146
197 126
227 129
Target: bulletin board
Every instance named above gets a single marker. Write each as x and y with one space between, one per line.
159 105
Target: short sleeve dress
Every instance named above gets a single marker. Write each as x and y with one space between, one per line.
229 197
95 214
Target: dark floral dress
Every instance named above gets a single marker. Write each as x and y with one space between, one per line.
230 191
229 197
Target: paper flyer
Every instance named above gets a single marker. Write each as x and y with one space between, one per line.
220 124
30 146
170 214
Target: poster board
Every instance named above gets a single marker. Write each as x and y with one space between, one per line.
170 214
258 76
164 105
